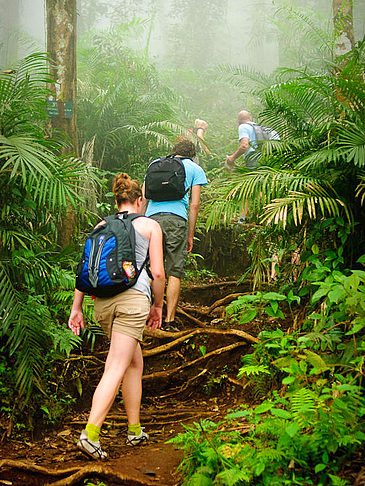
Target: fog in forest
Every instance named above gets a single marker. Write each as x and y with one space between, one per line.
192 43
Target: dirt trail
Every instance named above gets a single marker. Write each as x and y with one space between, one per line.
182 384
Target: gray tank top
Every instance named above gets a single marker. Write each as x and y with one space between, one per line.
143 282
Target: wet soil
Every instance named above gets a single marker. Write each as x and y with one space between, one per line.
155 463
182 385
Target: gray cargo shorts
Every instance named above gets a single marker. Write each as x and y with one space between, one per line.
175 242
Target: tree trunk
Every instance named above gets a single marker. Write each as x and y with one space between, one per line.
344 25
61 44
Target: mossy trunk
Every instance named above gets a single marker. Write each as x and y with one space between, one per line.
61 44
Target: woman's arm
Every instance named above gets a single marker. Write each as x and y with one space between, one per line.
76 320
154 319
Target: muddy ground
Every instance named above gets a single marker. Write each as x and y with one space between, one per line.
182 384
188 376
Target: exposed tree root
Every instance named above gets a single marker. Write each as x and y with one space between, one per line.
75 474
98 361
154 417
32 468
214 284
360 479
188 308
103 472
226 300
183 335
167 374
196 321
185 386
235 382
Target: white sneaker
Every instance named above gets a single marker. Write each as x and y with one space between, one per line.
136 440
90 448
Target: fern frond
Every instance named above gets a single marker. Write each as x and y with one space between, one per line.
9 306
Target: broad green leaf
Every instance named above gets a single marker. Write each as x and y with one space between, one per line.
319 468
264 407
248 316
273 296
281 413
292 429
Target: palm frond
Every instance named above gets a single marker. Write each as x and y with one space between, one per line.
360 190
352 143
307 25
9 307
27 341
24 157
296 203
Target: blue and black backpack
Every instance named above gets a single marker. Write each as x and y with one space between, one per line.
108 265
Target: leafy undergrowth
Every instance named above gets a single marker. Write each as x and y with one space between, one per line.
310 424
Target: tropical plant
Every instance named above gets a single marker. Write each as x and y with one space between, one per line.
123 102
36 184
316 171
312 419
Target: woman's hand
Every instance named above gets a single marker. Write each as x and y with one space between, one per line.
154 319
76 321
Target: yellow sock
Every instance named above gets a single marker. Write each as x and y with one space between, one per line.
134 429
93 432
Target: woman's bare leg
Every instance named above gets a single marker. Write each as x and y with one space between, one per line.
121 352
132 387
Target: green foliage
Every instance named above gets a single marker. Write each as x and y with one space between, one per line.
315 172
36 185
249 307
312 419
123 104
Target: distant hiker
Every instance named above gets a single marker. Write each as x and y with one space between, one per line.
123 318
249 135
167 202
200 127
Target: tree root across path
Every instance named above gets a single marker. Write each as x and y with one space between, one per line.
180 337
169 373
183 335
75 474
103 472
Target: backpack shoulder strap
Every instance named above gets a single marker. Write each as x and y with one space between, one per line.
129 216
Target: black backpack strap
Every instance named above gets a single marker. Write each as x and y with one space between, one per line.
180 158
132 217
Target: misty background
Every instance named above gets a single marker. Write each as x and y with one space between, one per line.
184 38
179 60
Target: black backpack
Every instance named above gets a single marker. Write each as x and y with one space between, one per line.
165 179
108 265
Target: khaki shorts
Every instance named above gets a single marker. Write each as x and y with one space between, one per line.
125 313
175 242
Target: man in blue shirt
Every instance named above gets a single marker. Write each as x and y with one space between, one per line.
247 139
177 220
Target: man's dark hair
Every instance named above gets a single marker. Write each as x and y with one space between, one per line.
184 147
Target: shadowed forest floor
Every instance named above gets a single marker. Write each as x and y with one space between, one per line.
188 376
182 384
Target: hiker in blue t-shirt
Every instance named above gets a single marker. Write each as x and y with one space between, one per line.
177 220
247 139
